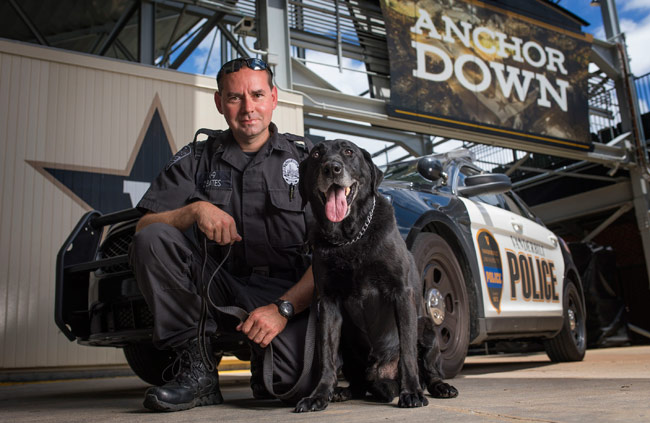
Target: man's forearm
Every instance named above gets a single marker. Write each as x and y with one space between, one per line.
301 294
181 218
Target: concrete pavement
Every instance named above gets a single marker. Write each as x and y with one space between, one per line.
610 385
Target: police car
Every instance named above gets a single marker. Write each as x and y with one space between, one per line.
491 269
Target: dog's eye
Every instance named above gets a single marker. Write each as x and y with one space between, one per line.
348 152
315 154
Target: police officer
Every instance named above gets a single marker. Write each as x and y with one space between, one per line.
238 190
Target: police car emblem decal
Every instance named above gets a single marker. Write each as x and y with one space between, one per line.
183 152
290 171
492 268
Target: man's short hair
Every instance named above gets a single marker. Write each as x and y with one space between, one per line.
236 64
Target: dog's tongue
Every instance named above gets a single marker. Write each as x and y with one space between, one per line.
337 205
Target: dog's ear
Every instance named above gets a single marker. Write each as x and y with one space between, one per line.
302 183
376 174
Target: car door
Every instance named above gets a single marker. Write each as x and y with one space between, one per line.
521 261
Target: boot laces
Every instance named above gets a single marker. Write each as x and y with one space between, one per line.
186 367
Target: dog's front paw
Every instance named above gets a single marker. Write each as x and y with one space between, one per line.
440 389
341 394
311 404
412 400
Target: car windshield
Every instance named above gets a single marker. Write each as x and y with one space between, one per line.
403 171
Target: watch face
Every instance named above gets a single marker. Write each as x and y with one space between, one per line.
286 309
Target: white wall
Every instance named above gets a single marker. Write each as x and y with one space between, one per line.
75 111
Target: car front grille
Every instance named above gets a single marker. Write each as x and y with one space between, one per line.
117 244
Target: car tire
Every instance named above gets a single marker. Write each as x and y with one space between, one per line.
570 343
441 271
149 363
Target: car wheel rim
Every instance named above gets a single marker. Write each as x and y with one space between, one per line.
572 320
435 303
575 321
441 287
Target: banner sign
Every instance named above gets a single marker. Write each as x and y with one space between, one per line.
474 66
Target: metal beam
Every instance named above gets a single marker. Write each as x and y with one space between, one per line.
548 175
384 150
205 30
301 74
117 28
373 111
411 142
172 36
562 172
631 121
125 51
605 56
203 9
21 13
302 39
231 39
585 203
147 33
274 38
517 165
611 219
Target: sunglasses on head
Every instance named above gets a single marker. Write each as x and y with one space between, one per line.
236 64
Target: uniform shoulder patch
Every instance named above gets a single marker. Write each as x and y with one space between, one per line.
181 154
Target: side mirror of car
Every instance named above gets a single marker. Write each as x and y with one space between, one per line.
431 169
489 183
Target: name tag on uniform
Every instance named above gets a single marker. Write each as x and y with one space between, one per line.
217 179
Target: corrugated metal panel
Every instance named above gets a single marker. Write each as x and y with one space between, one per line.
73 111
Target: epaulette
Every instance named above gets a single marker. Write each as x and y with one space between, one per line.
298 141
198 146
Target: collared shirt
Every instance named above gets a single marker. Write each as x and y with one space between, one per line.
260 193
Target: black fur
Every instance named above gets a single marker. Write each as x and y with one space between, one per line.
370 291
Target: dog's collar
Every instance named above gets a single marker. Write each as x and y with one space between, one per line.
361 232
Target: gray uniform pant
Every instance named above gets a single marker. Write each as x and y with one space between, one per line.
168 267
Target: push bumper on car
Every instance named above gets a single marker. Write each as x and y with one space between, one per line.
77 258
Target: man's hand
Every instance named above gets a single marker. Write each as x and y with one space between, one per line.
263 324
216 224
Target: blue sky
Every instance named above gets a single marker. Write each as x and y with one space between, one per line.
634 18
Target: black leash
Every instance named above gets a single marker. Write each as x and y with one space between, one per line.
308 357
205 298
242 315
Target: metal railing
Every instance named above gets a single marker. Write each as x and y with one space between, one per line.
643 93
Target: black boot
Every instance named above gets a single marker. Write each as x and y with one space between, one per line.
193 384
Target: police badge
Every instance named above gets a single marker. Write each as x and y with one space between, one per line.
290 172
291 175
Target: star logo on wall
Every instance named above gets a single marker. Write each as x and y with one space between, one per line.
109 190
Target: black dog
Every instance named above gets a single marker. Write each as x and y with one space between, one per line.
371 295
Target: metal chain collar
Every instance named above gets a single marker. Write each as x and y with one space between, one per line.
361 232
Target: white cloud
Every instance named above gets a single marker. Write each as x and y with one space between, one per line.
347 81
627 5
634 21
637 35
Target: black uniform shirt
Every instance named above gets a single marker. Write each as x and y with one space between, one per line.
260 193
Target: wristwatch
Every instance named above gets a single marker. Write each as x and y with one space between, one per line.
285 308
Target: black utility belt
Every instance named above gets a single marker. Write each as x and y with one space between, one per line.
267 271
